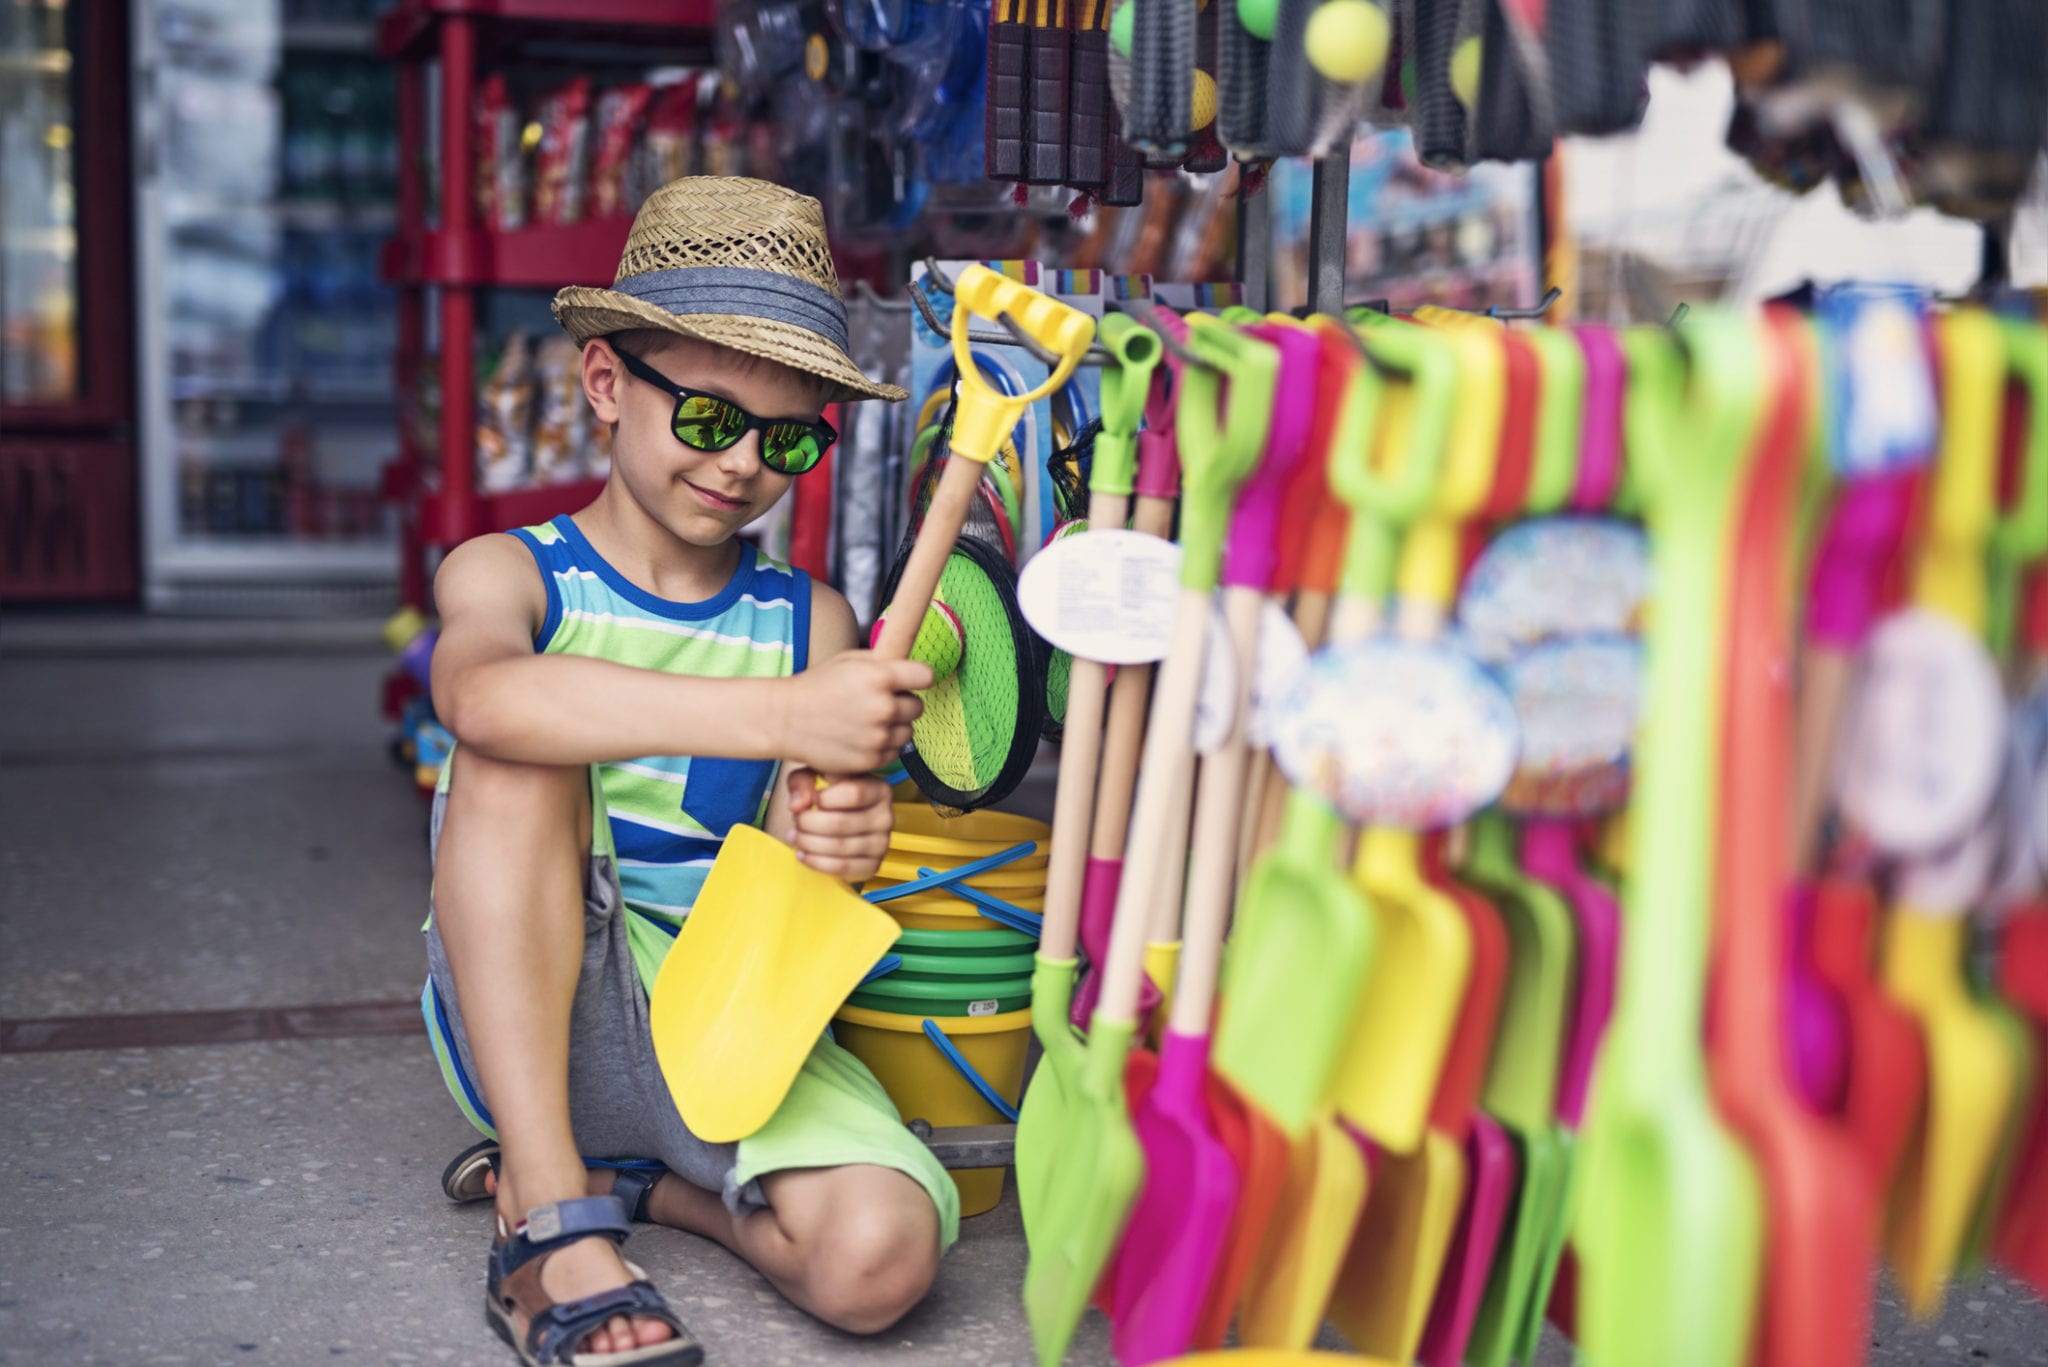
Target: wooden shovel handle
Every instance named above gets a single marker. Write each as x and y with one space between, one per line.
1074 798
1128 696
1824 677
1162 781
958 484
1217 803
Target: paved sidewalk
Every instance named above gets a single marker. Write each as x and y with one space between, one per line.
205 822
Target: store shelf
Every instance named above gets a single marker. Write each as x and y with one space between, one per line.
405 32
502 512
585 253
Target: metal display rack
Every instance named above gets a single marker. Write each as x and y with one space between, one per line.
443 263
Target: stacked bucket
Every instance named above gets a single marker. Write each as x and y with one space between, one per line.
945 1020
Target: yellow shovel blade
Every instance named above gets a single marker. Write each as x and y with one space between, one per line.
768 953
1389 1279
1304 1248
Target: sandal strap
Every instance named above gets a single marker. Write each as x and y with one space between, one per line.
633 1186
557 1223
554 1333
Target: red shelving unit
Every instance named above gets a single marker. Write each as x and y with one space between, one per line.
456 256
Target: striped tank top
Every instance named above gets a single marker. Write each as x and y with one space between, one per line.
670 813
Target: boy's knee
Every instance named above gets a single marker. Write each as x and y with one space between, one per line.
505 786
872 1263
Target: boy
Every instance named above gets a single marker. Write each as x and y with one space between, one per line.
623 684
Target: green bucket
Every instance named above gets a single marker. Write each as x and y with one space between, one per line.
944 997
966 943
947 967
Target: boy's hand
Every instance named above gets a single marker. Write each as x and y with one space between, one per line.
842 829
852 713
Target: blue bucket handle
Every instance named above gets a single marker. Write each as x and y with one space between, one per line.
884 966
953 875
997 910
969 1072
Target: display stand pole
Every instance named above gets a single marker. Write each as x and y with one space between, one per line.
1255 246
1329 195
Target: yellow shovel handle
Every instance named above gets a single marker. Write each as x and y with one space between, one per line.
984 418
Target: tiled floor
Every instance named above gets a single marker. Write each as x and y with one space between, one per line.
196 817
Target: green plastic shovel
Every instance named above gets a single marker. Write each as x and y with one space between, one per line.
1521 1082
1303 934
1043 1119
1669 1225
1088 1194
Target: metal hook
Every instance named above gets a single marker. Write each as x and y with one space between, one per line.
873 298
1678 314
1542 306
937 276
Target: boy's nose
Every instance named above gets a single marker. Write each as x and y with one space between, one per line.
742 459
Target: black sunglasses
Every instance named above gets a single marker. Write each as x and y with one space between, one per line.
789 446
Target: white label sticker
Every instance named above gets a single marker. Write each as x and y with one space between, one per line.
1217 701
1104 595
1576 700
1415 735
1552 577
1282 657
1924 741
982 1008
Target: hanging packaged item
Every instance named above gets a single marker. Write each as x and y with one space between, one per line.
504 420
563 421
561 170
501 173
619 112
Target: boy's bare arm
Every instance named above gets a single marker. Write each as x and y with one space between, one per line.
843 829
503 700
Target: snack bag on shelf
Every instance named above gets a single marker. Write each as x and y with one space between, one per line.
564 419
667 147
619 111
560 173
504 420
500 172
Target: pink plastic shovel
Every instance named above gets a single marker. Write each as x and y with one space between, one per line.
1183 1217
1549 853
1490 1155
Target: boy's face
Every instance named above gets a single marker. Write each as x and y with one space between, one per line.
703 497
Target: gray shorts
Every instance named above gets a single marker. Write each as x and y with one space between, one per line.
619 1106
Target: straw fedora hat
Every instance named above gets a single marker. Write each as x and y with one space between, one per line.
734 261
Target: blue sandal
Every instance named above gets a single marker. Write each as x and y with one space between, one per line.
462 1181
555 1328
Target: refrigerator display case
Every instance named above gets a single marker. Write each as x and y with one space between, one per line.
67 454
266 166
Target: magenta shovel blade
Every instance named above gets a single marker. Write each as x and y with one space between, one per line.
1176 1234
1817 1023
1098 906
1470 1259
1550 853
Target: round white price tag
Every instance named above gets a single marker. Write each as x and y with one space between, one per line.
1103 595
1282 657
1410 734
1555 576
1924 739
2018 809
1576 700
1953 879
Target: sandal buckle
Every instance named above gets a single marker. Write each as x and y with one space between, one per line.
543 1223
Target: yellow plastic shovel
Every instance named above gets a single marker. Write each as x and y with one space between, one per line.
771 949
1971 1075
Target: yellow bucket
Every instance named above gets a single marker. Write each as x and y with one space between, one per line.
942 912
957 839
924 1084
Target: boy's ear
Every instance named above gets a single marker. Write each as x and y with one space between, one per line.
603 377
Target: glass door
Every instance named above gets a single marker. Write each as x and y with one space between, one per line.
39 295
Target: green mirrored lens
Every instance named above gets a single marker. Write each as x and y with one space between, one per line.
791 448
708 423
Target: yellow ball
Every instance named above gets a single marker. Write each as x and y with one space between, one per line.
1203 100
1347 40
1465 73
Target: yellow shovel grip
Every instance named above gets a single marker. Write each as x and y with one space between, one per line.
984 417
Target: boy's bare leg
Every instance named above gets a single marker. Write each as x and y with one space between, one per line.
509 903
856 1246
